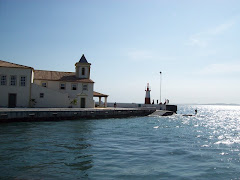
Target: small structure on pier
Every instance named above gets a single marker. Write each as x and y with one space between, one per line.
100 95
147 97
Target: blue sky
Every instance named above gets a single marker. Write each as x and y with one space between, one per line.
195 43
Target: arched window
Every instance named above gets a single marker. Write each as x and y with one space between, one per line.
83 71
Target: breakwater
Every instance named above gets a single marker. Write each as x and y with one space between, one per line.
165 107
56 114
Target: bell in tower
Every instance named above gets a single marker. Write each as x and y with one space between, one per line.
83 68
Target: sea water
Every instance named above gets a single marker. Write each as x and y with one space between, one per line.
205 146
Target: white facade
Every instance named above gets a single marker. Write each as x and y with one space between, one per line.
44 97
15 86
73 90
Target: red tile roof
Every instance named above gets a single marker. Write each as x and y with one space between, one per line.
12 65
59 76
97 94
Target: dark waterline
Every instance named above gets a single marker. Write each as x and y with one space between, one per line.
205 146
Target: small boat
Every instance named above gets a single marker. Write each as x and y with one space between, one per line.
188 115
191 114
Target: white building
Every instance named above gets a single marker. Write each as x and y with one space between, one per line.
15 85
22 86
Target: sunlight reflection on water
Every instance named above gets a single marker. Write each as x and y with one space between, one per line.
222 122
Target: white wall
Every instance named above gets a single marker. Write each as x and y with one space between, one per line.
23 92
134 105
86 75
73 94
51 98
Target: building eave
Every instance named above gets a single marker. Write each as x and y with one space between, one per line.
7 64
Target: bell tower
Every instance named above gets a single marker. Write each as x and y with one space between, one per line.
83 68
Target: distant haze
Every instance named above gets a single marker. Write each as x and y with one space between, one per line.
195 44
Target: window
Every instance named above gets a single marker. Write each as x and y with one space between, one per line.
41 95
62 86
13 80
44 84
74 86
85 87
3 80
23 81
83 71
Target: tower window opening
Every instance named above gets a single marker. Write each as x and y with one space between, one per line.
83 71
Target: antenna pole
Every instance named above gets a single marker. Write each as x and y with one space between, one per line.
160 85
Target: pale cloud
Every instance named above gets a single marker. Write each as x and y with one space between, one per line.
222 28
202 39
223 68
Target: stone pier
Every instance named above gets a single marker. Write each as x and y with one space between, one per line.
57 114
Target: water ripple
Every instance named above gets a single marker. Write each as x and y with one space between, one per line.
205 146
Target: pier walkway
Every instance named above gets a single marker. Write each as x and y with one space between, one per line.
56 114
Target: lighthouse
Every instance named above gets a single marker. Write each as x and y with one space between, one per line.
147 97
